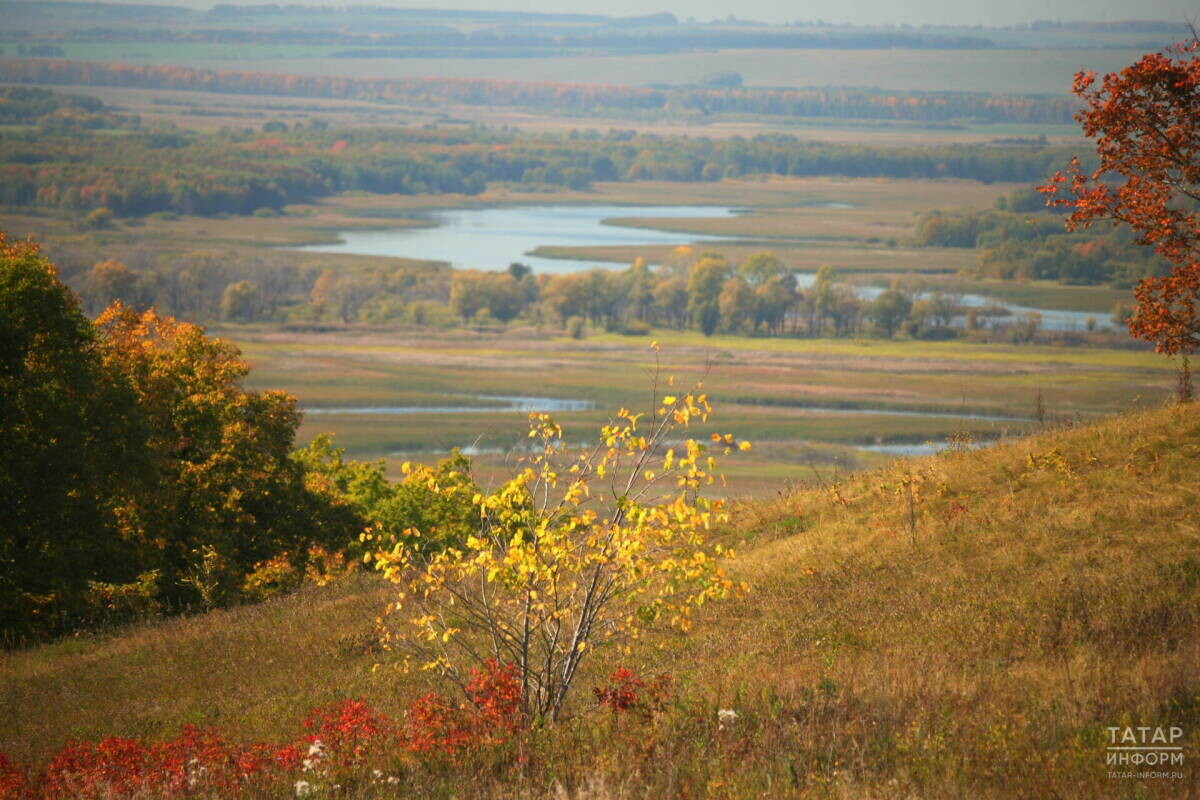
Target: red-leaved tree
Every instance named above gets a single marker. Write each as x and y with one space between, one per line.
1146 123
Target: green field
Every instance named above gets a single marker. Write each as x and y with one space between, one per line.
801 401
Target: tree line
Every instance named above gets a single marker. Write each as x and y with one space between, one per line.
840 103
705 291
137 474
75 167
691 289
1021 240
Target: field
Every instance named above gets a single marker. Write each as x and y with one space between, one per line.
805 404
208 111
766 389
876 654
1019 70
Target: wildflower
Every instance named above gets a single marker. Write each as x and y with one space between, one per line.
725 718
316 751
303 789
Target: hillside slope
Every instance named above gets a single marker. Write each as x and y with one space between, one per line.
964 625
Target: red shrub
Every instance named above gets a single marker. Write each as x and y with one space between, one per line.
435 725
114 766
348 730
341 735
13 780
495 691
193 758
627 692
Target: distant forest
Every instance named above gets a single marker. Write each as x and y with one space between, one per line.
656 39
840 103
67 157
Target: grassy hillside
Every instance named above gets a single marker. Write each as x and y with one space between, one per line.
964 625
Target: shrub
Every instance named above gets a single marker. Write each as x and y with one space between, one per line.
551 572
628 692
576 328
98 218
636 327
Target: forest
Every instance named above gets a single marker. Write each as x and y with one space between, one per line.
1020 241
58 162
840 102
133 432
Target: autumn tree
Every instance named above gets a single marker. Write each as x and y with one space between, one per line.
71 447
736 304
110 280
445 517
134 464
670 300
1146 122
638 289
565 296
761 267
579 551
240 302
705 280
225 483
889 310
773 299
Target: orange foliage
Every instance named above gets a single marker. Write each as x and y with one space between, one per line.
1146 122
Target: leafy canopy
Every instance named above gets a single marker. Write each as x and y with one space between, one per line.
1146 122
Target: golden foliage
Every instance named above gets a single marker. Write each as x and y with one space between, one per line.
574 552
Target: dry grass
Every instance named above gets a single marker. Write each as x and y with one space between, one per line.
974 644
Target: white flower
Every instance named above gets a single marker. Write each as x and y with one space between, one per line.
316 748
303 788
725 718
392 779
376 774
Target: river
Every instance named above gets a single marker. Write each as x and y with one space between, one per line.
493 238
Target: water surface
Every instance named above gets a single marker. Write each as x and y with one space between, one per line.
493 238
492 403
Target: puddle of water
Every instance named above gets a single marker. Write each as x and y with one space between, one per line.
502 404
922 449
895 412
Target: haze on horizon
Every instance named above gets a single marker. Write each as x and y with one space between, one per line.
863 12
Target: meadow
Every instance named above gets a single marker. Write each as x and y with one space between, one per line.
767 388
807 405
975 640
